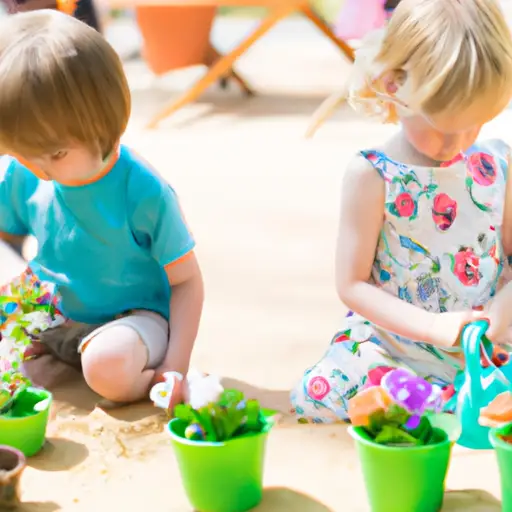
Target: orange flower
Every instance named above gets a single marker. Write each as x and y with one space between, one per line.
498 412
365 403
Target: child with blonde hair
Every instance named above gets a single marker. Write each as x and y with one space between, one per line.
426 219
115 257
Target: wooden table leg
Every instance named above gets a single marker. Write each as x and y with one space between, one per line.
323 27
214 56
223 66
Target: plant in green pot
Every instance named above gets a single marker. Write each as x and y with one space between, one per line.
498 416
26 309
220 447
403 442
24 413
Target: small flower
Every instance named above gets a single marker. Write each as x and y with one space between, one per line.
444 211
161 393
465 266
376 374
405 205
366 403
413 393
203 389
482 168
318 388
498 412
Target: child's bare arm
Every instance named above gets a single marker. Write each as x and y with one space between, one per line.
185 312
499 311
361 220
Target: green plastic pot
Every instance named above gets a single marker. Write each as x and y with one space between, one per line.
24 426
504 455
403 479
221 477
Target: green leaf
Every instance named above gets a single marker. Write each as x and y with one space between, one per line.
423 432
253 420
396 436
230 398
396 415
203 416
184 412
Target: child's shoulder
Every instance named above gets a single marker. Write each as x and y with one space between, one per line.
495 147
143 178
12 173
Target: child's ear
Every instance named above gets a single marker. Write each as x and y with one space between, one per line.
393 80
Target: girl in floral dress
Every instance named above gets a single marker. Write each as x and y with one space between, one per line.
425 224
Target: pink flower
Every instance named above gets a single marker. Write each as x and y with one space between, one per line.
482 168
405 205
375 374
466 267
444 211
318 388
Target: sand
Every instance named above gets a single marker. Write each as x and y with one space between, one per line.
262 203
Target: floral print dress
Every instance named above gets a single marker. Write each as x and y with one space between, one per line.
439 249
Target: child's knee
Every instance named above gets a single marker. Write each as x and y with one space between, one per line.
113 362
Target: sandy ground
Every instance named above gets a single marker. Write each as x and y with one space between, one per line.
262 202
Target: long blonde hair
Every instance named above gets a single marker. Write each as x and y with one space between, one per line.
442 54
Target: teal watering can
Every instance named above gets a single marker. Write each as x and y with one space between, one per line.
479 386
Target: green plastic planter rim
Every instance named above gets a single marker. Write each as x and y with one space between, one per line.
219 444
183 440
354 432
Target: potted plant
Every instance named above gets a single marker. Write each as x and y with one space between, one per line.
26 308
403 442
219 439
12 465
498 416
24 413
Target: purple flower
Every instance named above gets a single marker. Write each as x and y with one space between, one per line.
413 393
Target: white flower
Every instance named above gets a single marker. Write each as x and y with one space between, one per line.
161 393
203 389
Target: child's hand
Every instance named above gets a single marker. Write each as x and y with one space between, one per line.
447 327
499 331
180 392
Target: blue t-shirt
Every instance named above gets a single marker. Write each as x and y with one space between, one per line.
104 244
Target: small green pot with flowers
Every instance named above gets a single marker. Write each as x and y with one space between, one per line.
220 442
403 441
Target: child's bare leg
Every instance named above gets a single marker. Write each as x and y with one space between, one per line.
114 363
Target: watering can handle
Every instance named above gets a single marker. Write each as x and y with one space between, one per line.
472 339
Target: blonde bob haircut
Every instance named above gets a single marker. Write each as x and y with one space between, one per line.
442 54
61 83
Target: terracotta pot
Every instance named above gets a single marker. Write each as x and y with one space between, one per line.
12 464
175 37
